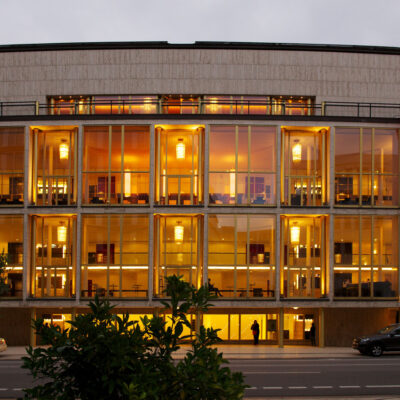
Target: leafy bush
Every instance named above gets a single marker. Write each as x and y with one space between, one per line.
104 356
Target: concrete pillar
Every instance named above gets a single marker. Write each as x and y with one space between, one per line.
151 256
206 165
32 330
321 328
280 327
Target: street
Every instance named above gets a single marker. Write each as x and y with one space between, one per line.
309 377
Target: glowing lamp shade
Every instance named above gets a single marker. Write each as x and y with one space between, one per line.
64 151
127 184
295 234
296 151
178 233
180 150
62 233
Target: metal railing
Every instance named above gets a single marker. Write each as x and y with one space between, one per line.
200 106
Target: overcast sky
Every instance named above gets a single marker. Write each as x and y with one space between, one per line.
362 22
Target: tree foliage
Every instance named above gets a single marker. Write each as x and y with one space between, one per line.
105 356
4 287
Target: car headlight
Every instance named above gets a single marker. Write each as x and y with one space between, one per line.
365 340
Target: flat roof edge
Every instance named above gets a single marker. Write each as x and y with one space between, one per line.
198 46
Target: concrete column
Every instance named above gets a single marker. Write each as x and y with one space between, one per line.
205 249
280 327
278 215
27 169
321 330
331 259
331 171
79 155
32 330
151 256
278 178
78 283
152 166
206 153
26 273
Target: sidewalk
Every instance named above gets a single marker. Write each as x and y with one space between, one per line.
242 352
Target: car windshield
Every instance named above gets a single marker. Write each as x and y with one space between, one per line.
388 329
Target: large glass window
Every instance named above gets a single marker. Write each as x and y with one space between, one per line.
242 165
178 250
11 245
54 166
366 167
53 261
303 257
116 164
366 256
115 255
179 167
11 166
304 167
241 255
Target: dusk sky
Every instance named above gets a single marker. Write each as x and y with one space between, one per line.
360 22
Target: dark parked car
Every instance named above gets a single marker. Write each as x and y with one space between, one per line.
387 339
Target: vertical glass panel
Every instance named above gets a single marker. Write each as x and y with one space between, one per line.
386 151
11 245
217 321
247 320
116 148
222 148
221 236
137 148
11 166
53 264
366 231
347 150
234 325
263 148
367 150
96 148
243 148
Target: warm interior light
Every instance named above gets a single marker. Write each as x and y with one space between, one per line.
295 234
127 184
260 258
296 151
214 106
232 185
62 232
178 233
180 150
64 150
147 105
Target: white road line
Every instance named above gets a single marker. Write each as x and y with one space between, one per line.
277 372
3 389
297 387
350 387
272 387
322 387
382 386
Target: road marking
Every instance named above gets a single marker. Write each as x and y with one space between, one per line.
277 372
297 387
350 387
382 386
3 389
272 387
17 389
322 387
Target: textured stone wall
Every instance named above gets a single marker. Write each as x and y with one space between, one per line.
327 75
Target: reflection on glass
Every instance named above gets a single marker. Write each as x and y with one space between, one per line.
242 165
366 167
178 250
304 167
303 257
53 264
365 256
11 166
114 256
11 246
241 255
116 165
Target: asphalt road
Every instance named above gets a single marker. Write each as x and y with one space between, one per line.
356 376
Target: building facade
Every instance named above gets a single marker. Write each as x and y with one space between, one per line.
269 170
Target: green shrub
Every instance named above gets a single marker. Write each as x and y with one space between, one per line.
104 356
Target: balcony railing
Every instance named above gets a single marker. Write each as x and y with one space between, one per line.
202 107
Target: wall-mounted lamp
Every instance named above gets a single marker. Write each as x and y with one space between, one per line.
61 233
178 232
296 151
295 234
180 150
64 150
